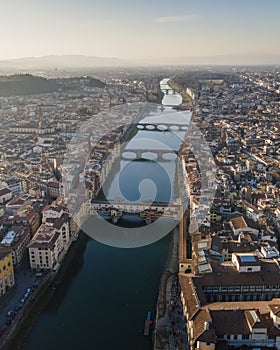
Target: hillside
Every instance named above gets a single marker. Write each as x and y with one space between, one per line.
25 84
93 82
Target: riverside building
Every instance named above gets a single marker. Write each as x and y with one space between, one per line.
50 243
7 279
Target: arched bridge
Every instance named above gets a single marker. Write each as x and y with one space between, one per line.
168 91
146 210
151 154
162 127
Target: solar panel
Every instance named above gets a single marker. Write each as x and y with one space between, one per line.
247 258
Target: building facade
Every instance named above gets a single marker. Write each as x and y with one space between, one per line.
50 243
7 279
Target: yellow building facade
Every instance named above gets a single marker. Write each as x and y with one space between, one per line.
7 278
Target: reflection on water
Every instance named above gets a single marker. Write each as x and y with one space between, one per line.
142 180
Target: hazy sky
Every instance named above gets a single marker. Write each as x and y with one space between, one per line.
139 29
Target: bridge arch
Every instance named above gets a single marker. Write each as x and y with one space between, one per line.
129 155
169 156
162 127
174 127
150 155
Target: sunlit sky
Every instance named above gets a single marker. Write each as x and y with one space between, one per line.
139 29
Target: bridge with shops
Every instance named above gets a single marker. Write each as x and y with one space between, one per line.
146 210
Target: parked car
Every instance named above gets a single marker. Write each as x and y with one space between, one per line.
9 322
18 307
3 329
11 313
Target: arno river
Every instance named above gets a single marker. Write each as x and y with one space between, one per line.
104 297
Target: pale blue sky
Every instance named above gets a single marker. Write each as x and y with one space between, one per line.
139 29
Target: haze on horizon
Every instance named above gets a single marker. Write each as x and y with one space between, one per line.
137 30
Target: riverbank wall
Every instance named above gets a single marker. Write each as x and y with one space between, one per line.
162 321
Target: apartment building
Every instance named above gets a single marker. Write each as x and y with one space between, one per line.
16 241
50 243
7 279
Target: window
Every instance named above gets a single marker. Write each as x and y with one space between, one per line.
228 336
235 336
245 336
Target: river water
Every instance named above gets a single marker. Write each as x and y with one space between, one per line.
103 300
171 98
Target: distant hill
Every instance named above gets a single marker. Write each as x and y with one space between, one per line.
59 62
81 63
93 82
25 84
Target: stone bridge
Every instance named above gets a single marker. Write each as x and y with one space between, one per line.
152 210
150 154
162 127
168 91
